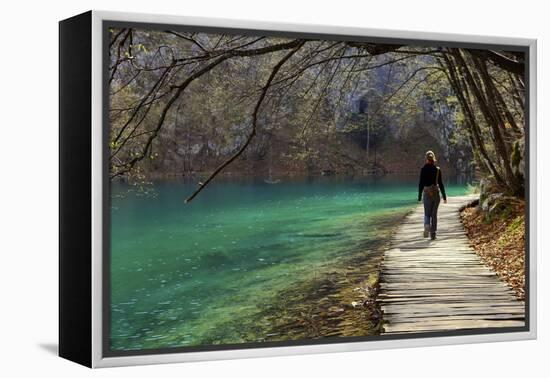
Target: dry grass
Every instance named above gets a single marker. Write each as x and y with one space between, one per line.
500 242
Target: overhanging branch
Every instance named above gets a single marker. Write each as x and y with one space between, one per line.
274 71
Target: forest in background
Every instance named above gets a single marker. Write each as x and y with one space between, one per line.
197 105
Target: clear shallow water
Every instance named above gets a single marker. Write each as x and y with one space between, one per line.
198 274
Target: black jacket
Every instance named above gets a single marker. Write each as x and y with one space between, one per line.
427 178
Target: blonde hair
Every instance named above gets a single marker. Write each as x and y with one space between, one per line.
430 156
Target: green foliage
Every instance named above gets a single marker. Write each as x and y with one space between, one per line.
517 224
516 154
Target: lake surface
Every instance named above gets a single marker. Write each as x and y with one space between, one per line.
199 273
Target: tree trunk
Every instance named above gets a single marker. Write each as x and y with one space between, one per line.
500 144
476 139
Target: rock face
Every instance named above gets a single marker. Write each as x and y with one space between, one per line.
496 204
344 138
277 155
486 188
488 196
491 201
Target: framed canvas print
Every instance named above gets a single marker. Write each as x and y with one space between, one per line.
237 189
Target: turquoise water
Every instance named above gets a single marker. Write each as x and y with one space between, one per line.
198 274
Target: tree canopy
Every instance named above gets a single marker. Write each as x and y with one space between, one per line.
205 101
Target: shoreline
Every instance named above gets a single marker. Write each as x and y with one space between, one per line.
262 174
342 301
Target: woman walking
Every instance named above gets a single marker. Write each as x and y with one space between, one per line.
428 189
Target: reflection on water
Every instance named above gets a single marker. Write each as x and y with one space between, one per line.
194 274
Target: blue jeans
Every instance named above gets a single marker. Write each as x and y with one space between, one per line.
431 203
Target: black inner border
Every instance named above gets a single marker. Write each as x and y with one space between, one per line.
107 352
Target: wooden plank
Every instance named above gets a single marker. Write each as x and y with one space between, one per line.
458 280
414 319
386 282
446 299
416 308
445 291
450 325
434 294
440 285
439 272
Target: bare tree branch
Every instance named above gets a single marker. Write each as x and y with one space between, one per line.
274 71
128 166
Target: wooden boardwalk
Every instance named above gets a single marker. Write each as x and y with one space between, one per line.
441 285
